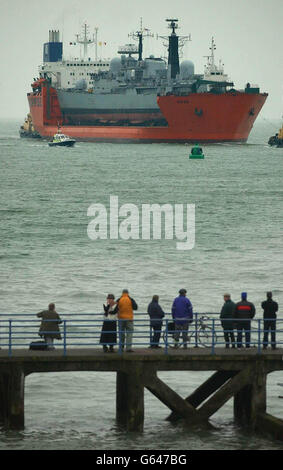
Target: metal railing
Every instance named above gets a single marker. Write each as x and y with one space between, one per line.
17 331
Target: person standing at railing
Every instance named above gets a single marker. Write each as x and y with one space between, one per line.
244 312
108 335
226 316
49 328
182 314
270 307
156 314
126 306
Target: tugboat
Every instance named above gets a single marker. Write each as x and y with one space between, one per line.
27 129
61 140
277 139
196 152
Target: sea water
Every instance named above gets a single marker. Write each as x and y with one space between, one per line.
47 256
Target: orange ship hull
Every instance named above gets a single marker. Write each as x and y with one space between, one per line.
197 117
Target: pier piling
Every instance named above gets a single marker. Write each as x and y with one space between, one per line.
250 399
12 398
130 399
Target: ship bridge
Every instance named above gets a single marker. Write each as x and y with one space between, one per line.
67 73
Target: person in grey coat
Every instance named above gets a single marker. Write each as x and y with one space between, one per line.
49 328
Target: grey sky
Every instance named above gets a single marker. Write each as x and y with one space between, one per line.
248 36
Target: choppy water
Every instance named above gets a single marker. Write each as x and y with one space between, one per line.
46 255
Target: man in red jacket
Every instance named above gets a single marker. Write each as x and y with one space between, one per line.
244 312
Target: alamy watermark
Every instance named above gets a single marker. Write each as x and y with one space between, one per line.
143 223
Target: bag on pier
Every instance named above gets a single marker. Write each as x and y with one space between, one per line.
38 346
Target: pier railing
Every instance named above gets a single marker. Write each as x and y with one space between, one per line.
79 330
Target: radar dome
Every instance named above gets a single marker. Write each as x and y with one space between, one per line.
187 69
115 65
153 67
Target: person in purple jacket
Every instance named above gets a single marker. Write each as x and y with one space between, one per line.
182 313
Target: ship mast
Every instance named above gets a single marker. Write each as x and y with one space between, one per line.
211 69
173 48
210 58
139 35
173 52
85 40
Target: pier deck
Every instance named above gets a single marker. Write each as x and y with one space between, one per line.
202 358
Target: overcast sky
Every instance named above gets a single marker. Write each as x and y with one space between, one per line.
248 36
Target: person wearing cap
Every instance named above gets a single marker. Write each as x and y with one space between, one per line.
108 337
244 312
126 305
227 320
182 314
270 307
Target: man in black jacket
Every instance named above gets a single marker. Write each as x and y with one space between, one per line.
244 312
156 314
227 320
270 307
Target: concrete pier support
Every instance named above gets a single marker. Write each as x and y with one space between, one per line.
170 398
210 386
270 425
130 399
238 374
250 400
12 398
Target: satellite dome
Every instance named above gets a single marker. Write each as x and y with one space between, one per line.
153 66
115 65
187 69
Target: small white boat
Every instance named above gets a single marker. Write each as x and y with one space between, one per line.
61 140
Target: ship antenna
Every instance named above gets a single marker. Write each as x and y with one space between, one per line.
212 48
85 39
96 30
139 35
173 25
211 67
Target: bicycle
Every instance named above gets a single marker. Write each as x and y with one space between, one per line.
203 334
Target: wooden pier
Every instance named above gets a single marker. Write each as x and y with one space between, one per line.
235 373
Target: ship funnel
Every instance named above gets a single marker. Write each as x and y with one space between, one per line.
53 36
53 50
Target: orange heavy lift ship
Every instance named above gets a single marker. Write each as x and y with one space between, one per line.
142 100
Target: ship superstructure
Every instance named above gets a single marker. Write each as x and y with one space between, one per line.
71 72
158 100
